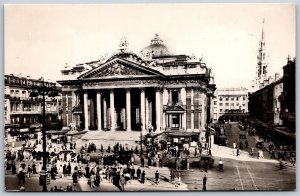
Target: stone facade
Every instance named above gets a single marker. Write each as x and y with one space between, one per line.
23 110
264 104
159 92
228 100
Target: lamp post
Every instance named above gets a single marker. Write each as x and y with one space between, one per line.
48 89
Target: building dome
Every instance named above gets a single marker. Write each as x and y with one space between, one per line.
156 48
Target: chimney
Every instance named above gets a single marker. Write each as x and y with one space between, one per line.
277 75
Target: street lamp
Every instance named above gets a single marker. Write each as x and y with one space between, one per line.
50 90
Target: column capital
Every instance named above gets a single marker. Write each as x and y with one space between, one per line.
127 89
158 89
111 90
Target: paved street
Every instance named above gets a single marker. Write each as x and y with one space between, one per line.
242 172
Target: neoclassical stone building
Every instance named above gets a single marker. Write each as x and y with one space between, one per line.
128 92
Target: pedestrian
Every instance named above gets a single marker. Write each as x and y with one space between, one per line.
252 151
246 144
69 188
234 145
143 175
142 161
138 173
156 177
75 178
21 175
92 180
97 179
205 165
52 171
122 183
13 168
237 152
204 182
132 173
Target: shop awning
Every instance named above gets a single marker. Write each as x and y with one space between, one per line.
61 132
182 134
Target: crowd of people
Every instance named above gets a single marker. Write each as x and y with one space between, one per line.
115 164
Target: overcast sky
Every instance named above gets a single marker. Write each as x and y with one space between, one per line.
40 39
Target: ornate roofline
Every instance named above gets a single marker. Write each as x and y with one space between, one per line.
118 60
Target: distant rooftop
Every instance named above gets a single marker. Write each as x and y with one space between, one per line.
233 89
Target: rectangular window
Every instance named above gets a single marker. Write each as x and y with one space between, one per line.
232 104
220 99
227 99
220 104
237 98
232 98
215 102
237 104
221 110
243 105
174 96
244 98
227 104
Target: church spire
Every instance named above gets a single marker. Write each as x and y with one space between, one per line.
263 32
262 64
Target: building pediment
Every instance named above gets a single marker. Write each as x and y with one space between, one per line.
119 68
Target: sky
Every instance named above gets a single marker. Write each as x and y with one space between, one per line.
40 39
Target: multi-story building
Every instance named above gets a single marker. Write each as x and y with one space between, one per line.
288 104
128 92
23 110
230 100
272 108
264 104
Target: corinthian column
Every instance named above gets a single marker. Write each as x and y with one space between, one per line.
112 110
98 103
143 109
192 109
104 114
157 109
85 108
128 111
203 113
